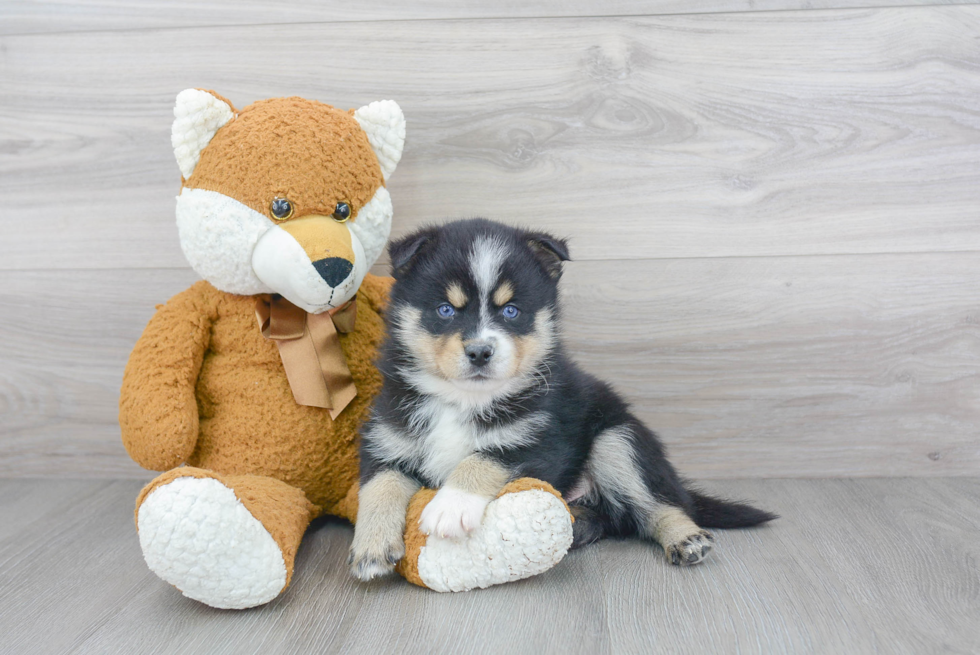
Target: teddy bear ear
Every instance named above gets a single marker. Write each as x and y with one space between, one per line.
197 116
384 123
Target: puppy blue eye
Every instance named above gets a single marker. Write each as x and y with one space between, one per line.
510 311
446 310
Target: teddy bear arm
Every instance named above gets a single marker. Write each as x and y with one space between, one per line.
158 411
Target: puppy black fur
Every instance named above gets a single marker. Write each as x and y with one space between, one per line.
465 375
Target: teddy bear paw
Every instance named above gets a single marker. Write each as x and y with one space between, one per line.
522 534
197 535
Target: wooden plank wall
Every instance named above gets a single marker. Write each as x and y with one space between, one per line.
773 211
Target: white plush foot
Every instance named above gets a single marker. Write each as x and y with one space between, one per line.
523 534
198 536
452 514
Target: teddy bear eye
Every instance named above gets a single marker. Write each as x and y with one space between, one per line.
281 209
342 212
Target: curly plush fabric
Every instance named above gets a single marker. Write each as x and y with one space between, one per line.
197 116
193 519
534 521
205 388
525 531
321 156
386 132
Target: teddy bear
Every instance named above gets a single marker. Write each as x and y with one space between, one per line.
247 389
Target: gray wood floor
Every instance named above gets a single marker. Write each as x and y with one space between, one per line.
853 566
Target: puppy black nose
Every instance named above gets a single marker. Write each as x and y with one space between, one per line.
333 270
479 353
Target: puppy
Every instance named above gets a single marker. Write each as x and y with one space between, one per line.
478 391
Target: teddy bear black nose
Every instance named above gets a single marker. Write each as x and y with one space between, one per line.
333 270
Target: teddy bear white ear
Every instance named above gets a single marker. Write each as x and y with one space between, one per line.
197 116
384 123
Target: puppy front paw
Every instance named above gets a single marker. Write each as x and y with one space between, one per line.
374 556
690 551
452 513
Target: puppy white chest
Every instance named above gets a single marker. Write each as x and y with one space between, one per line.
450 439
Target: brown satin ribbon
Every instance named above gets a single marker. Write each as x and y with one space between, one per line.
310 350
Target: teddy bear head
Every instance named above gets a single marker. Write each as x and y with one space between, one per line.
285 196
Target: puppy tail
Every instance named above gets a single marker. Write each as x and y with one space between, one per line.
710 512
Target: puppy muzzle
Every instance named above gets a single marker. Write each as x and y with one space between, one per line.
478 352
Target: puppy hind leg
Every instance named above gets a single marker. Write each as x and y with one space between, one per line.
621 482
588 528
684 543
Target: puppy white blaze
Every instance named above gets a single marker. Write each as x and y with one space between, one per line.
218 235
486 258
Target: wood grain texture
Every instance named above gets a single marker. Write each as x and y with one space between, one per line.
751 134
796 366
853 566
44 16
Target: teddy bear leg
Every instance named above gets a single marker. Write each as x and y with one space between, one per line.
526 530
228 541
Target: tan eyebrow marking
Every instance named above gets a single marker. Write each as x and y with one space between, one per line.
503 294
456 295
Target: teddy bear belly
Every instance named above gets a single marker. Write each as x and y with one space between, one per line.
250 424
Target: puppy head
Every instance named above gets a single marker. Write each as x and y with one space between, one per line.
475 304
286 195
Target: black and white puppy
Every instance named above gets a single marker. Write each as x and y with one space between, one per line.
478 391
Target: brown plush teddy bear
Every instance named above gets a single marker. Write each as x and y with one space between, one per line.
248 388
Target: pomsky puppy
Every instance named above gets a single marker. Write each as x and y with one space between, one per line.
478 391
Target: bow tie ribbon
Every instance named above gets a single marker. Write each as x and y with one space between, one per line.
309 347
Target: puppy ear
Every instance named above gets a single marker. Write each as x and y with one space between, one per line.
198 115
405 252
550 252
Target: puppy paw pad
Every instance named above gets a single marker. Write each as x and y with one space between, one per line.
691 550
375 560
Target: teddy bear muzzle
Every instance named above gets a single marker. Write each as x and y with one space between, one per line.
313 261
